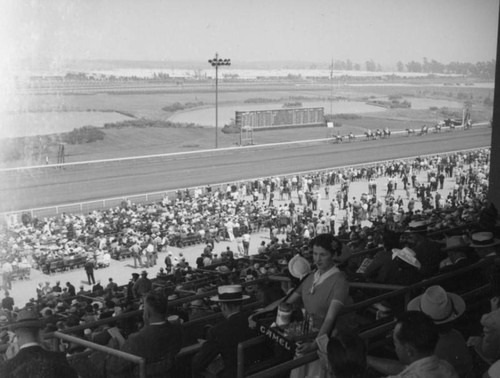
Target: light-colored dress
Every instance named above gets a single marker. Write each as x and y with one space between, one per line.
316 302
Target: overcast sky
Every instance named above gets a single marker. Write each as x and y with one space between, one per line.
244 30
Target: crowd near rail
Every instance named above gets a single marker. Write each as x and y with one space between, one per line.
321 298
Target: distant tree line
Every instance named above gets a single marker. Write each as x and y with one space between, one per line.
484 70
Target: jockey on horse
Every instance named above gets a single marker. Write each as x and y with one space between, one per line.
410 131
370 135
387 132
378 133
424 130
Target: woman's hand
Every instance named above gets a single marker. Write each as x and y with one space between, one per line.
306 347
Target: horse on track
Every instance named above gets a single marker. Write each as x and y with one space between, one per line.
437 128
378 134
370 135
410 131
424 130
351 137
338 139
387 132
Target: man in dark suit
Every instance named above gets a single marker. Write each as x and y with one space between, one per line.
71 289
224 337
8 302
89 269
158 342
33 360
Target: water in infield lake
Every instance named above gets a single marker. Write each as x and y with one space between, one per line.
42 123
206 116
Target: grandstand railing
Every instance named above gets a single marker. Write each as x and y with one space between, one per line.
392 292
144 198
114 352
378 330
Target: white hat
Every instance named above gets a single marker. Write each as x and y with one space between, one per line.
407 255
299 267
229 293
441 306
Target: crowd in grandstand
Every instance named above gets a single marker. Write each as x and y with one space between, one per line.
381 238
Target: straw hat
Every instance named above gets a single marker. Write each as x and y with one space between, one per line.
455 242
441 306
417 227
484 240
229 293
299 267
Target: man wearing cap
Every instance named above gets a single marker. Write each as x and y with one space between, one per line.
33 360
224 337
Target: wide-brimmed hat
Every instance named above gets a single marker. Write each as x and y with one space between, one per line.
407 255
299 267
441 306
455 242
229 293
483 240
27 319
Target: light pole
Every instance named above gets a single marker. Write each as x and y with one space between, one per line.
216 62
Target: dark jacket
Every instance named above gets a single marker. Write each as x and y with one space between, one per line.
223 339
34 361
158 344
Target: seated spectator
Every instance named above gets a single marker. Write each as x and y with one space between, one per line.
415 338
161 274
158 342
487 346
224 337
458 249
97 288
444 308
33 360
383 268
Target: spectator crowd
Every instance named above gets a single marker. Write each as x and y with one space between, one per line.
386 238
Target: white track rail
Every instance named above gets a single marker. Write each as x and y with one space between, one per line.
81 207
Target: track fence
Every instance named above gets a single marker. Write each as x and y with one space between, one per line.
148 198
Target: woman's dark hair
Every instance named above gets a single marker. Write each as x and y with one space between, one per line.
327 242
347 355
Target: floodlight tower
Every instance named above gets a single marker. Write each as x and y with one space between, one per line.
216 62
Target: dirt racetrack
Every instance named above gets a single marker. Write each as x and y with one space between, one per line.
50 186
